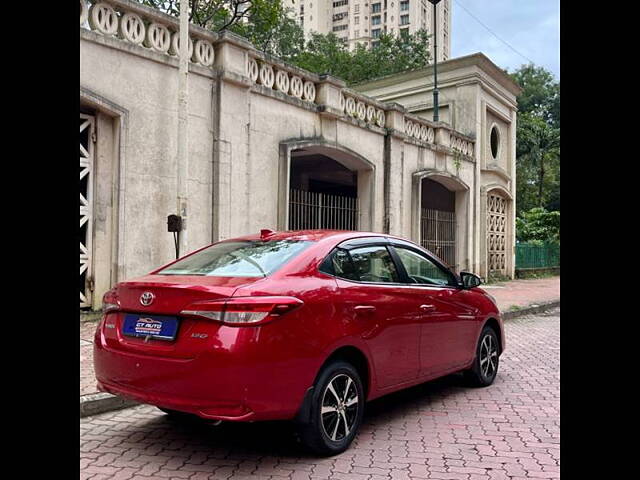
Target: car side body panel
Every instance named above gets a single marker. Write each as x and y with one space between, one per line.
263 372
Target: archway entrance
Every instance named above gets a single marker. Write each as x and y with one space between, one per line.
438 220
328 188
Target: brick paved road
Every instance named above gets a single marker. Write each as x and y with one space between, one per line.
439 430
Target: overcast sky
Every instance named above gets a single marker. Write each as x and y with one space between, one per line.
532 27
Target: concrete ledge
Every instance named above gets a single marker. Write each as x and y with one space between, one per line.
95 403
531 309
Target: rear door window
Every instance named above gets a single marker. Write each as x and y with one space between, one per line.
343 265
374 264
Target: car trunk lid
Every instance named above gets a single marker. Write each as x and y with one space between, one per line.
171 294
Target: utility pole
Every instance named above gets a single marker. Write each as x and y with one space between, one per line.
183 117
436 113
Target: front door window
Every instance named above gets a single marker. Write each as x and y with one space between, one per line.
422 270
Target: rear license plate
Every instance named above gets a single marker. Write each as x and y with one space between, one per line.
159 327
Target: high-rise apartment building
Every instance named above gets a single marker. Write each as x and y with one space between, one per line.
363 21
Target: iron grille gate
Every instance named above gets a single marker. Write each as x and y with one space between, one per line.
87 124
319 210
438 234
496 233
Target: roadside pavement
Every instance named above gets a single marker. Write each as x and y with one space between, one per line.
437 430
517 295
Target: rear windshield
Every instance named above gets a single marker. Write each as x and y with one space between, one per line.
238 259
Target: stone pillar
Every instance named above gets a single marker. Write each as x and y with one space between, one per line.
231 129
512 213
329 96
393 170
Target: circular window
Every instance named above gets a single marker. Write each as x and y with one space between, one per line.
495 142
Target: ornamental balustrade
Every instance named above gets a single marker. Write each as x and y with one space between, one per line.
419 128
280 77
461 143
138 25
361 108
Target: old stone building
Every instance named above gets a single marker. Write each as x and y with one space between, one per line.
271 146
478 99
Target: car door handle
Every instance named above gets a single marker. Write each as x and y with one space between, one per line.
427 308
363 309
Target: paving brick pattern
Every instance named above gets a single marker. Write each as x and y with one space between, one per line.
87 375
439 430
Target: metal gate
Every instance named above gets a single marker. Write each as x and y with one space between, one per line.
496 234
87 139
309 210
438 234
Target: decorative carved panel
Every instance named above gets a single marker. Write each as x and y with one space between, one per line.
87 132
496 233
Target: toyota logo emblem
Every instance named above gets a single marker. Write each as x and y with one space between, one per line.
147 298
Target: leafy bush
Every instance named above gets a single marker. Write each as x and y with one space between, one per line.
538 226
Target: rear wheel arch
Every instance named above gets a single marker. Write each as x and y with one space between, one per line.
355 357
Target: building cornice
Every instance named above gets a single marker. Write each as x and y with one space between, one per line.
478 60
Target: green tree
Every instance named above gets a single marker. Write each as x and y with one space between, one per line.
213 15
538 139
270 29
538 161
541 93
392 54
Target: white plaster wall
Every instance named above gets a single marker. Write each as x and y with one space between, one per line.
146 88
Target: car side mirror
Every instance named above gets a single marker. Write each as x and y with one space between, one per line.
470 280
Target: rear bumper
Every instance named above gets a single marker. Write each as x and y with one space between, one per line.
243 383
209 410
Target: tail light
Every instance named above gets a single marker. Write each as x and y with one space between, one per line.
110 301
243 310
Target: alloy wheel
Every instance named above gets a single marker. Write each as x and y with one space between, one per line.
488 356
339 407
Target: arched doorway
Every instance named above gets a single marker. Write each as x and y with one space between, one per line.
438 220
440 216
327 187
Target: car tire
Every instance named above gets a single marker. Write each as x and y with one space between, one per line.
485 365
337 400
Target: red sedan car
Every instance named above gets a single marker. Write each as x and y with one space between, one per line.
305 325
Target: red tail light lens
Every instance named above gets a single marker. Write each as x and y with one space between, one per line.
243 310
110 301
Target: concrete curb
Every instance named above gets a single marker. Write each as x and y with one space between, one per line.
95 403
531 309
